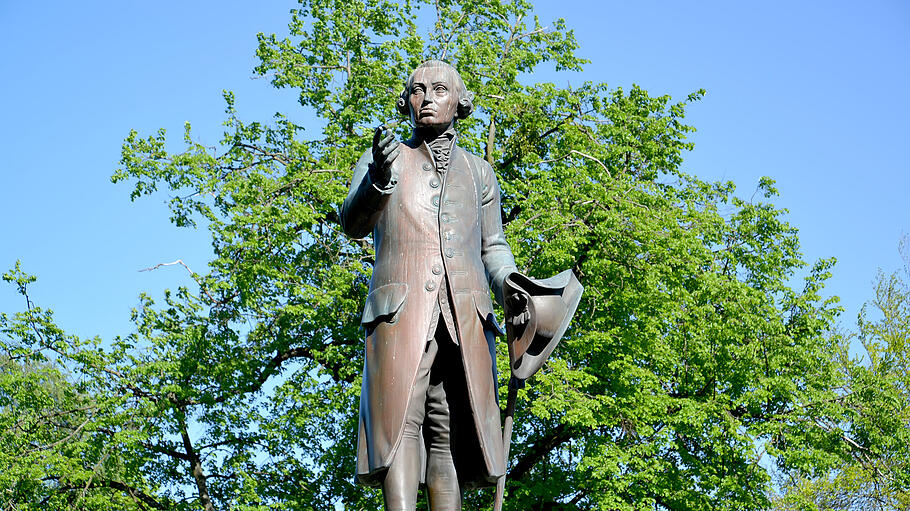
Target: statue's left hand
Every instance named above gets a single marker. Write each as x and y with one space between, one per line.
519 314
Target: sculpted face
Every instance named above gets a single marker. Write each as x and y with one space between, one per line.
433 98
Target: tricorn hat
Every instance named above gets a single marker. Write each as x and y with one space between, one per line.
552 303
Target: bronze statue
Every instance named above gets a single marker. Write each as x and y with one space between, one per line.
428 408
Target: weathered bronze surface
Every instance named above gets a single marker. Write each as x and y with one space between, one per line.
434 212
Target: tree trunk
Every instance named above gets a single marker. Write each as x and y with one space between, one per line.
195 466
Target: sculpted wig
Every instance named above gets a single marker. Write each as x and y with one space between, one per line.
465 98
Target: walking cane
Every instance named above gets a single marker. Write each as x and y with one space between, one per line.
514 385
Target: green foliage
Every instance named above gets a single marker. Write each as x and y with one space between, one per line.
690 355
65 444
867 414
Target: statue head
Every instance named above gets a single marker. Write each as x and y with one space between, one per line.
435 96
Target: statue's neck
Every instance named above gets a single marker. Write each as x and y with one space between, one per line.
430 133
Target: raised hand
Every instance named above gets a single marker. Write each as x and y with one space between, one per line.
385 150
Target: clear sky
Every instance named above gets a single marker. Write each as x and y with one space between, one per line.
813 94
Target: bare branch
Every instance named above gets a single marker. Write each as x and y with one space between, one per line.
588 156
88 484
445 48
62 440
529 34
178 261
192 273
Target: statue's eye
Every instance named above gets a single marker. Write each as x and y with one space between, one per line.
441 88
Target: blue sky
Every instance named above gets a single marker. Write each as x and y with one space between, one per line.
812 94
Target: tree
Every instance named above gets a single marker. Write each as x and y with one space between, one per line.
869 410
65 444
688 354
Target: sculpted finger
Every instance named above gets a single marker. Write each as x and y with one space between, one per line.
394 154
519 318
387 139
387 150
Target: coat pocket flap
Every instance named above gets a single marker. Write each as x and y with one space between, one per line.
485 309
383 304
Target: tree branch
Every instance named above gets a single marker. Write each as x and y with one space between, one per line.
134 493
160 449
536 452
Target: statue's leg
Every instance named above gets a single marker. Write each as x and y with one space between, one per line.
442 478
399 488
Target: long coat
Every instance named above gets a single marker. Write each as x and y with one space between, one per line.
426 228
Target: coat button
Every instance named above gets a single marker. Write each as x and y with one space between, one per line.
434 183
437 270
435 200
430 285
450 252
427 166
